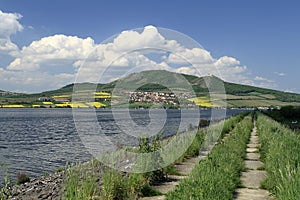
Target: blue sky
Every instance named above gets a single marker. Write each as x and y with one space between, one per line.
263 36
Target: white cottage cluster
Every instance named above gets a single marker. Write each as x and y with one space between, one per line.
154 97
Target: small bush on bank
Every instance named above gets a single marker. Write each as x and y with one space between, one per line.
22 178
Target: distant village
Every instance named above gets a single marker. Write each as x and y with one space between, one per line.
153 97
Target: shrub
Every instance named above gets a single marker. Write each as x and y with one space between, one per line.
60 169
22 178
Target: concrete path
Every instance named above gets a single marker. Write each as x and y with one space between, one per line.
252 178
183 168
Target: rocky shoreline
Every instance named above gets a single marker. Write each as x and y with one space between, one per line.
52 186
46 187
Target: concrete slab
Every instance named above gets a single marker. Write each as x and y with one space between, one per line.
252 179
165 187
187 166
162 197
253 194
254 140
252 156
253 164
251 150
253 145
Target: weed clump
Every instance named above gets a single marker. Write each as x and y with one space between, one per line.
22 178
5 190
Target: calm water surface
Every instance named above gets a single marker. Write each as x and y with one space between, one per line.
38 141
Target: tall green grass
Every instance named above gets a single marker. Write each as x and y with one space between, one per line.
138 184
231 122
5 190
80 182
114 186
280 151
217 176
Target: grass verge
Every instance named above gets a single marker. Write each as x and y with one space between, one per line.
81 182
280 151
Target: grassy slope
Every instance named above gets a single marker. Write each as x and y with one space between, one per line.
280 153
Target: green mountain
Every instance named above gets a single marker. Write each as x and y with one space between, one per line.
237 95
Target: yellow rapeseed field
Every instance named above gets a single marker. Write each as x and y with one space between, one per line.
13 106
202 101
81 105
47 103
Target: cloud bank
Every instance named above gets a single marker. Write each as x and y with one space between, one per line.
39 65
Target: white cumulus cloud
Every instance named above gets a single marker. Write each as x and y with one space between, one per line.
226 61
9 24
52 50
194 56
148 38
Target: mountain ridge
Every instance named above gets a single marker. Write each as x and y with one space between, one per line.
237 95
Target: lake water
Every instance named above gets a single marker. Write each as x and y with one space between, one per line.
38 141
